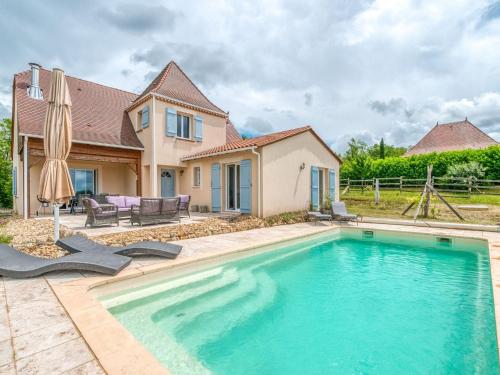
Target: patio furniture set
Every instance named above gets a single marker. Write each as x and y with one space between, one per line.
338 212
139 210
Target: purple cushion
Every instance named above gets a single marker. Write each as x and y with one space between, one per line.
184 198
123 209
130 201
93 203
118 200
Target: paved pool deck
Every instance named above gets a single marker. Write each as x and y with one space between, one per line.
52 324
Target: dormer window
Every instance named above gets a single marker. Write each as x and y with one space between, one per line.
183 126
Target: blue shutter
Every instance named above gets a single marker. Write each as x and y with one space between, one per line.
170 122
246 186
198 129
14 181
216 206
145 117
331 184
315 188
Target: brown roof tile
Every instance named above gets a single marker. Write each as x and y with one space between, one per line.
232 134
98 111
263 140
458 135
173 83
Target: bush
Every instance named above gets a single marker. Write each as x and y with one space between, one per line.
416 166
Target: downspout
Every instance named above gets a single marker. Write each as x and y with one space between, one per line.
259 211
25 178
153 170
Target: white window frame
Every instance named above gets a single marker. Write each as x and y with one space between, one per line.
194 177
180 114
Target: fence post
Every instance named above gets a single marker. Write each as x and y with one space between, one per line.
377 191
400 184
469 185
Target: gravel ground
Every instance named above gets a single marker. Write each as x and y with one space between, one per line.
35 236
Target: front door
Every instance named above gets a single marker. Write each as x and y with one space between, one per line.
167 183
232 187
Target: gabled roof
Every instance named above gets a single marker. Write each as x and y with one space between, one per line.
232 134
173 83
460 135
261 141
98 111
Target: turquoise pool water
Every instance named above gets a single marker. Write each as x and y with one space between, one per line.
331 305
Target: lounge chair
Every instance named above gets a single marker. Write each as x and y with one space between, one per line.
80 243
339 212
98 214
16 264
184 204
318 216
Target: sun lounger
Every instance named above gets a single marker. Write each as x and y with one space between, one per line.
339 212
16 264
161 249
318 216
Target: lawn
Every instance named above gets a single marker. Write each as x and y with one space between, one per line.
392 204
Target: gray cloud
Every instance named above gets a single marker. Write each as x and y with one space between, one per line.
256 125
5 112
392 106
139 17
308 98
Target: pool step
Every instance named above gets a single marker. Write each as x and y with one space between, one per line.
175 317
190 283
192 334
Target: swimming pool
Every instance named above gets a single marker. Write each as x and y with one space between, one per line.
348 302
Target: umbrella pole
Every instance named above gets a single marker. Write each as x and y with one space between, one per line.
56 222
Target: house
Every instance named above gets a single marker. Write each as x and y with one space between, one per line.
453 136
171 139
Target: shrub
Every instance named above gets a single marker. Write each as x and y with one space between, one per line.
416 166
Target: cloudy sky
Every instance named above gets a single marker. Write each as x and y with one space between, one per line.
366 69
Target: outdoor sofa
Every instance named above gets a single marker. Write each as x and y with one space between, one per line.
124 204
155 211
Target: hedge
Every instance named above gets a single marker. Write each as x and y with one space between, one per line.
416 166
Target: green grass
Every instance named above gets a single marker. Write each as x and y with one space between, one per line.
5 238
392 204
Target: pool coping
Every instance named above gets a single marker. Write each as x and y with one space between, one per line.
120 353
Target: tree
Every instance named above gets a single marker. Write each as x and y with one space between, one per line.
361 166
465 170
355 148
5 164
382 149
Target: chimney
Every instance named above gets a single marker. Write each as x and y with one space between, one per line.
34 90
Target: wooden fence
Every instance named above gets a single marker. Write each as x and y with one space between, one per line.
451 185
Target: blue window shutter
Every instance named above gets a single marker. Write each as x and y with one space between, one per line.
246 186
14 181
145 117
314 188
216 189
198 129
170 122
331 184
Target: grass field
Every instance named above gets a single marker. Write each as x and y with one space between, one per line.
392 204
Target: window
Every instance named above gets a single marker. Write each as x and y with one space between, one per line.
83 180
197 176
183 126
139 120
145 117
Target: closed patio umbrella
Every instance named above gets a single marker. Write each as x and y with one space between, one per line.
55 182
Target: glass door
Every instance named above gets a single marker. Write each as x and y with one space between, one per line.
232 187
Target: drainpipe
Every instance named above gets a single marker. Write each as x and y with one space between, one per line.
153 170
259 211
25 178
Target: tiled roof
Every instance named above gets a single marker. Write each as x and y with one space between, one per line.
263 140
232 134
458 135
173 83
98 111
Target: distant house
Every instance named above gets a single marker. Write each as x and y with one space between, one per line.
453 136
171 139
